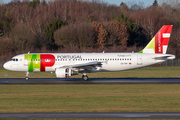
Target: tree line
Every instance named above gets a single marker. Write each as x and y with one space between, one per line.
83 26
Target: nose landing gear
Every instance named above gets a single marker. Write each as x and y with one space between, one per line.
27 76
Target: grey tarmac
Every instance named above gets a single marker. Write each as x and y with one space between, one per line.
90 81
145 115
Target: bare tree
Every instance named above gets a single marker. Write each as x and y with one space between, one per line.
122 33
81 35
101 34
172 3
1 2
6 45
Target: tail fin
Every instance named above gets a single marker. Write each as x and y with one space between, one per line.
160 41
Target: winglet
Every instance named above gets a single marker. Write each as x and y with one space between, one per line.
160 41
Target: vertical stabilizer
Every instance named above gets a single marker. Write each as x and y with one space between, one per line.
160 41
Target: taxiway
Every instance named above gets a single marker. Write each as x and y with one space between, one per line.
145 115
90 81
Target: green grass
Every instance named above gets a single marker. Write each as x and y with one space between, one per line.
92 98
89 98
154 72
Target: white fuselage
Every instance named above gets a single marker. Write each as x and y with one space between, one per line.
110 61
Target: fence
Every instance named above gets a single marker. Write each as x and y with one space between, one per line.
171 63
167 63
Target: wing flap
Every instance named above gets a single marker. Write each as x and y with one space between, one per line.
93 64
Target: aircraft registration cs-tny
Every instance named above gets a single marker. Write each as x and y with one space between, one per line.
67 64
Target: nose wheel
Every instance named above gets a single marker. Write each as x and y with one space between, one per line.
27 76
85 77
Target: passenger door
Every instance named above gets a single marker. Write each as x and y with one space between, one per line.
139 60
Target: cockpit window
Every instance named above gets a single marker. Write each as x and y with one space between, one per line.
14 59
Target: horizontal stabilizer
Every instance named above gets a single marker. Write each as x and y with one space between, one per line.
168 57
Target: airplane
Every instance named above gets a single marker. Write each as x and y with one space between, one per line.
67 64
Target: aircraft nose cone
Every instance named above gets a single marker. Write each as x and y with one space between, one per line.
6 66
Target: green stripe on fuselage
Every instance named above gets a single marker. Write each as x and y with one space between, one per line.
33 62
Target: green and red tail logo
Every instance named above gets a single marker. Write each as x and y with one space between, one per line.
39 62
160 41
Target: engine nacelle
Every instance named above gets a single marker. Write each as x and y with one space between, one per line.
65 72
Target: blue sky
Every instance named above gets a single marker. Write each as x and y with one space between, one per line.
129 2
117 2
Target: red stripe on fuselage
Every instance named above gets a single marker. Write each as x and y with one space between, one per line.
48 60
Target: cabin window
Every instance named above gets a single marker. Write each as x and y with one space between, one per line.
14 59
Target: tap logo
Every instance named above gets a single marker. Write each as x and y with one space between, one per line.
159 42
69 57
39 62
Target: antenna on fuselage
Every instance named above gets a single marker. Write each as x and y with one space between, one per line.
103 51
28 52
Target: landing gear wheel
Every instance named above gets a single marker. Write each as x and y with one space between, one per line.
27 78
85 77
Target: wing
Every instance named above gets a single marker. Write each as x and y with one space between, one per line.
86 66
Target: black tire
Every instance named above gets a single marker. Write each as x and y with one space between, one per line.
85 77
27 78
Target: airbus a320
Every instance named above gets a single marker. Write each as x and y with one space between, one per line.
67 64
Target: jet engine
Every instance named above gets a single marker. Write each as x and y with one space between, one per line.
65 72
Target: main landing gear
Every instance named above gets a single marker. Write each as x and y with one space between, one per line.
85 77
27 75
